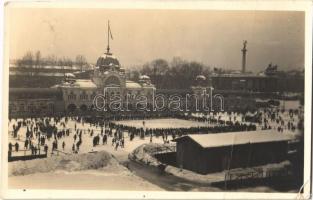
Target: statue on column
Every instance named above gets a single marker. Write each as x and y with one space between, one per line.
245 44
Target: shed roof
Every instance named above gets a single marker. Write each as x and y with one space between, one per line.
236 138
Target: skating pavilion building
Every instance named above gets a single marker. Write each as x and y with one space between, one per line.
109 79
77 95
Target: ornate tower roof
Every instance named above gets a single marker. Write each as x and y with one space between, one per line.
107 60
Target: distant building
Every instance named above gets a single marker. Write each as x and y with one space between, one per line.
245 82
270 81
77 95
210 153
108 77
34 101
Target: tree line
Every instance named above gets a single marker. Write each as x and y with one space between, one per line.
36 60
176 74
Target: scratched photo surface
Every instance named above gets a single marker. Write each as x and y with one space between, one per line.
155 100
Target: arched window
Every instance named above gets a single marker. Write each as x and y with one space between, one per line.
112 80
71 96
83 96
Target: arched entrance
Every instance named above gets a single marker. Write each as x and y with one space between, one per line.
71 107
112 80
92 108
83 108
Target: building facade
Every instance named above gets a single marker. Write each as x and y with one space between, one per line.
79 95
108 80
35 101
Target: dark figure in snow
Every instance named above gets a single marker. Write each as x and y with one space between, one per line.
26 144
95 141
63 145
78 144
73 148
16 147
10 147
116 145
105 139
46 149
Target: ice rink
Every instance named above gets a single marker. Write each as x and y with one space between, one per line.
162 123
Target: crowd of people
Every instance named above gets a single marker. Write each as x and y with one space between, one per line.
290 120
103 128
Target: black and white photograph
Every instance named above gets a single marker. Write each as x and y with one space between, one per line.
156 99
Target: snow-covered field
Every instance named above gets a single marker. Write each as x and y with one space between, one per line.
162 123
29 174
86 145
84 171
113 177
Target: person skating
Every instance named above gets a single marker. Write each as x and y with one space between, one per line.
46 149
16 147
10 147
73 148
26 144
116 145
63 145
104 139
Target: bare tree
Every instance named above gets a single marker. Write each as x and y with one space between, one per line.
28 59
38 59
81 61
51 60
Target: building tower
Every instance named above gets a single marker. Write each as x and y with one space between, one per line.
244 52
109 36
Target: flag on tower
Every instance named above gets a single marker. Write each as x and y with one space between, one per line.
110 31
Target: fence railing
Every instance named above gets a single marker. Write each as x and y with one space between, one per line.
25 154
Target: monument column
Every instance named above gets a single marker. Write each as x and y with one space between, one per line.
244 52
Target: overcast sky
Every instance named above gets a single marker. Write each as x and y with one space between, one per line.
211 37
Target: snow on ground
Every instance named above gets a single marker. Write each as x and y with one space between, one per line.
30 174
74 162
83 180
84 171
87 141
111 178
162 123
129 145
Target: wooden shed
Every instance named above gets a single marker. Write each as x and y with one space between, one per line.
208 153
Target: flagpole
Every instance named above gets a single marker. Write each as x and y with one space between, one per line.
108 48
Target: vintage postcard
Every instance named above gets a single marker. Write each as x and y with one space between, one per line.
157 100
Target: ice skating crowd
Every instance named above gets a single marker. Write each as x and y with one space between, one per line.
66 134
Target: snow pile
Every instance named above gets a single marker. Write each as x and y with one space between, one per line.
143 154
75 162
195 177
